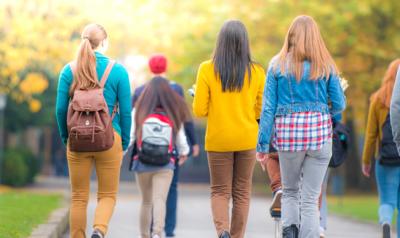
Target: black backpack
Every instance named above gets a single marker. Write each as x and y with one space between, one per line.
388 154
340 144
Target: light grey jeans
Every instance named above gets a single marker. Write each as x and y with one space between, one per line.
323 216
302 176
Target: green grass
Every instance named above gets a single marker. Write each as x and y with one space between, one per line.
362 207
20 212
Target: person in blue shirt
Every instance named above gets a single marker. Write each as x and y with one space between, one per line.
158 67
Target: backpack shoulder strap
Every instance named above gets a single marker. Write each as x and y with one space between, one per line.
106 73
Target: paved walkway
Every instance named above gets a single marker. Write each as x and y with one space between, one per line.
195 219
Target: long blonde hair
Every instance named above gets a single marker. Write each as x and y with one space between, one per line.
384 93
86 75
304 42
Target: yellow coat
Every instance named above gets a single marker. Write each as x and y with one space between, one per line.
231 116
373 135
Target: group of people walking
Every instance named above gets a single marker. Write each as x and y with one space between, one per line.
284 115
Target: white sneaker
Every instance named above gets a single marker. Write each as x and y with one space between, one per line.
156 236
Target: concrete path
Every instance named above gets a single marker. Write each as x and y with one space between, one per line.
195 218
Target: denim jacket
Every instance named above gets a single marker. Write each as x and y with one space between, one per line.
395 111
283 95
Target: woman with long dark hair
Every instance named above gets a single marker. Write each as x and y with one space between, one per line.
92 70
300 80
164 112
229 94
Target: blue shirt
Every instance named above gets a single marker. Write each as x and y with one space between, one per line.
116 90
283 95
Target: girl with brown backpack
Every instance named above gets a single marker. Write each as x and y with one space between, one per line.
90 89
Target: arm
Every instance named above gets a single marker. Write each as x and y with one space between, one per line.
190 132
267 112
395 111
64 83
181 143
371 134
259 98
189 126
336 94
133 125
202 95
124 99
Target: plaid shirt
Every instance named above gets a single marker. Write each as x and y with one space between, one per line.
302 131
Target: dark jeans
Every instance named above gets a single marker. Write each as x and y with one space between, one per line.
172 202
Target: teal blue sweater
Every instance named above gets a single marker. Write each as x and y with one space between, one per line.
117 89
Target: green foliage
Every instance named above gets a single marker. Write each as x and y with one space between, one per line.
364 208
14 171
363 37
32 162
24 211
19 167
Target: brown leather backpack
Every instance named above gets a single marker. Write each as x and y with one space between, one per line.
88 120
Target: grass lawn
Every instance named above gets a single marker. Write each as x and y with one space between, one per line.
361 207
20 212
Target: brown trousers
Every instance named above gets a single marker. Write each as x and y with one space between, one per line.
274 173
107 164
231 176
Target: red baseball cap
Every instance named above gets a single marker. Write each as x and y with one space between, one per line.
158 64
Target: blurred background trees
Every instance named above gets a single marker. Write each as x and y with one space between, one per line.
38 37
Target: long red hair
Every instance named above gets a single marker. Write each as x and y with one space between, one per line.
384 93
304 42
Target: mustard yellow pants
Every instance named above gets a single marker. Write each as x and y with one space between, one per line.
107 164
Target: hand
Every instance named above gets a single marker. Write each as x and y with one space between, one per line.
274 156
344 84
195 150
262 158
182 159
366 170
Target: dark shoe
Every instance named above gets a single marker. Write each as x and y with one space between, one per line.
97 234
290 232
386 230
225 234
